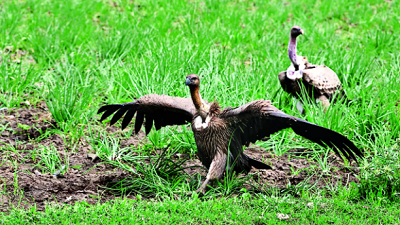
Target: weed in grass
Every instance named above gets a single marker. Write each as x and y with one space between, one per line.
153 174
14 81
230 185
51 160
323 163
107 147
181 137
69 95
156 176
379 176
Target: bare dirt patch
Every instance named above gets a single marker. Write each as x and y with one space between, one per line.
24 124
289 169
23 181
25 184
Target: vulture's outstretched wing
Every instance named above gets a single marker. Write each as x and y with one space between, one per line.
164 110
259 119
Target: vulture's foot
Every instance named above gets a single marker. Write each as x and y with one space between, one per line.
215 172
201 191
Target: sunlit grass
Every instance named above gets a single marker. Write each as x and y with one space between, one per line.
242 209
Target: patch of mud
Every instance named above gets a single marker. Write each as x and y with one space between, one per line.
289 169
26 184
133 140
39 189
24 124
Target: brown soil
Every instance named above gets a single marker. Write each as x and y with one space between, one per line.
25 184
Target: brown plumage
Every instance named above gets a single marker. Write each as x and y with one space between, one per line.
320 82
222 133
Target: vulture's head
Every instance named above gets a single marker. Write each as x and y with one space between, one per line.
192 80
296 31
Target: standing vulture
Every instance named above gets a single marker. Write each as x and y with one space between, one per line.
320 82
222 133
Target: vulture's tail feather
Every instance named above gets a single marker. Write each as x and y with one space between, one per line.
258 165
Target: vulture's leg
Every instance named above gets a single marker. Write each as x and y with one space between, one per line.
216 171
325 102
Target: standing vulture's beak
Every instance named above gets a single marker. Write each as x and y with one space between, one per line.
188 80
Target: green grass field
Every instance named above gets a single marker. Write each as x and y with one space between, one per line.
71 57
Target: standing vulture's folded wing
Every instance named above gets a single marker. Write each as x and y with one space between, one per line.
323 79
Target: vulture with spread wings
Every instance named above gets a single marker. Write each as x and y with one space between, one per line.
220 134
320 82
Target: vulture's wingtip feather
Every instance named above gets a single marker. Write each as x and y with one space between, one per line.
139 121
110 109
344 145
106 107
102 109
119 114
128 117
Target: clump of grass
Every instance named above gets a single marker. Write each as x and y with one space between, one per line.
156 174
379 177
153 173
51 161
70 95
15 79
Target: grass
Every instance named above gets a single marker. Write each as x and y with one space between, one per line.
239 210
78 55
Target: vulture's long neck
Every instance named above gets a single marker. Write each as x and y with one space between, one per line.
292 51
198 101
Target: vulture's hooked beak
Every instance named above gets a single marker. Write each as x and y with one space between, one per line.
301 31
188 81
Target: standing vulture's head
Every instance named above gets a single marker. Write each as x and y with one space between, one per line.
192 80
296 31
